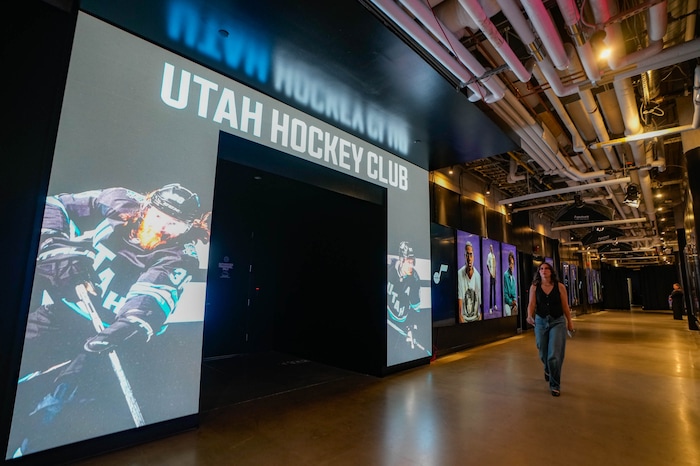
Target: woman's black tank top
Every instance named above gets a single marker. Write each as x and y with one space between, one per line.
549 305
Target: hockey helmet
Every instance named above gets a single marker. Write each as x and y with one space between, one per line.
176 201
406 251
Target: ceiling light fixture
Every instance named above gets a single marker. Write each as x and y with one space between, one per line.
632 196
488 189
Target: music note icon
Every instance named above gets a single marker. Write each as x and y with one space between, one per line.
437 275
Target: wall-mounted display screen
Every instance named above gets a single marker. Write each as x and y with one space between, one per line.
593 286
569 277
444 274
469 282
491 279
509 266
114 332
409 324
574 299
114 335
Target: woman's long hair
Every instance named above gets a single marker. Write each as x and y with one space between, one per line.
537 280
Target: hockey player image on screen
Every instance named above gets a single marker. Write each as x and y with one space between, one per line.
510 295
492 269
469 288
110 270
403 292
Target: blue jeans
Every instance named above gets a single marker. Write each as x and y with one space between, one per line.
550 336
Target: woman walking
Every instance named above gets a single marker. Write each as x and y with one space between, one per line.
548 310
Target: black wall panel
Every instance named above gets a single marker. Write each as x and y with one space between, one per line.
472 217
614 282
444 279
496 226
444 206
656 284
35 52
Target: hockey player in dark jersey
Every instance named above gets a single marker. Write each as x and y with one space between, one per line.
403 292
111 267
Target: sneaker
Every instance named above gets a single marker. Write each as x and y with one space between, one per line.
556 393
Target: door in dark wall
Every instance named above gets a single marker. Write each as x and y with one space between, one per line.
295 268
526 273
615 290
230 289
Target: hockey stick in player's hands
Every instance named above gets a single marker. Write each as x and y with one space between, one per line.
86 303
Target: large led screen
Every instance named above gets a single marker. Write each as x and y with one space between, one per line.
114 330
114 335
491 285
509 266
408 301
469 285
444 274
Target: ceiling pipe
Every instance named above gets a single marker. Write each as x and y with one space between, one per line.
578 144
534 141
572 18
656 26
542 21
447 37
616 199
476 12
603 11
527 128
662 132
595 117
667 57
600 224
569 189
522 28
558 203
624 91
528 142
625 95
549 151
417 33
456 18
643 136
554 80
596 120
551 156
622 240
516 18
526 139
512 177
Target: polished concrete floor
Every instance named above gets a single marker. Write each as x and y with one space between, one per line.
630 396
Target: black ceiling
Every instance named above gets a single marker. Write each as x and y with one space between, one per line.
342 51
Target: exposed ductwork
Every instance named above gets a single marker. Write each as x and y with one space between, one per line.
695 124
482 21
578 122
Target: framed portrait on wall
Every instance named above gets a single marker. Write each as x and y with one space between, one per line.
469 284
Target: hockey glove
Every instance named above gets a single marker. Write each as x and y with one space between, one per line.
119 332
65 265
